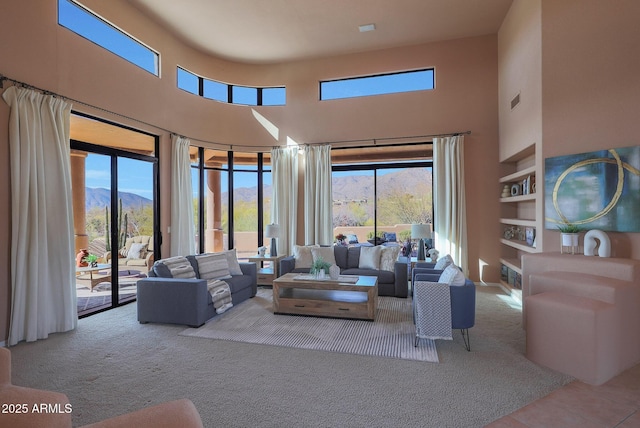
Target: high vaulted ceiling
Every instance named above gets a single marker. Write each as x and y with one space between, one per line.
271 31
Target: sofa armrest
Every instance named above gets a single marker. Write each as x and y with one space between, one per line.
173 300
463 305
149 260
287 265
401 282
416 271
251 269
178 413
428 277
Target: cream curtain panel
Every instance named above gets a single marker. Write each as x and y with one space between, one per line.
318 202
284 201
182 227
43 290
449 199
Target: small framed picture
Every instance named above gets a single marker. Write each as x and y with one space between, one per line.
530 235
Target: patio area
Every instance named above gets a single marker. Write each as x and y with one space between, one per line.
101 295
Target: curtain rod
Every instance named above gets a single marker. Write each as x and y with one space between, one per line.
374 141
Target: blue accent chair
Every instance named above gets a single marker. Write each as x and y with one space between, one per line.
463 301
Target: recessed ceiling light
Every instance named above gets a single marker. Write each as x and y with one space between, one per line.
367 27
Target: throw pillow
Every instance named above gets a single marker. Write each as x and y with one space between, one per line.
213 266
452 275
325 252
389 236
370 257
232 261
179 267
352 239
443 262
303 257
388 258
124 251
137 251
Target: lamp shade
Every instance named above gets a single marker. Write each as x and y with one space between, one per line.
421 231
272 231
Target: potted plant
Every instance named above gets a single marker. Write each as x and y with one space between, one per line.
92 259
340 239
569 234
319 268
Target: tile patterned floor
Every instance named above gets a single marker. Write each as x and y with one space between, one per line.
613 404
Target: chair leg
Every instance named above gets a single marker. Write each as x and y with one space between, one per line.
416 342
466 338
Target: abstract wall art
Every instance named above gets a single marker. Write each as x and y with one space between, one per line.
595 190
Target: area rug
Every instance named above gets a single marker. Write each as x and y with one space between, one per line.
390 335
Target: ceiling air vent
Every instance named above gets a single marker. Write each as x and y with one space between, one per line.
515 101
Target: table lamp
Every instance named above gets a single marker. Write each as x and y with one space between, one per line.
272 231
422 232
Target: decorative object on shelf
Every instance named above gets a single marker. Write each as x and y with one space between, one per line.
262 251
334 272
92 259
341 240
607 178
515 189
570 237
272 231
433 254
590 243
80 262
506 191
530 235
421 232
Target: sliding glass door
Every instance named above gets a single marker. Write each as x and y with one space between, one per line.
115 212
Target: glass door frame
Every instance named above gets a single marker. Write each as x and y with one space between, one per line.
114 154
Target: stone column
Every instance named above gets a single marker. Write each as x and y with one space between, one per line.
214 236
79 199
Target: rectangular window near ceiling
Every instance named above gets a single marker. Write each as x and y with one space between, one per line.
274 96
90 26
407 81
187 81
216 91
245 95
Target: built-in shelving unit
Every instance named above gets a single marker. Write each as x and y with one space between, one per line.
519 216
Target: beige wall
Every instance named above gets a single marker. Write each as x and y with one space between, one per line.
37 51
520 65
591 86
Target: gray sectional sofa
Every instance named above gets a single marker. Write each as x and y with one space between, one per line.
164 299
347 258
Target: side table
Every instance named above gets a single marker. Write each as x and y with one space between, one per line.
266 274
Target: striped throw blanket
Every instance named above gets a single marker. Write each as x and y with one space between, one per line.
220 294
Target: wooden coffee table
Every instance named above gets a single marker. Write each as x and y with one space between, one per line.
348 297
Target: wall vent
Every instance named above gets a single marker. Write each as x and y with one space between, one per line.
515 101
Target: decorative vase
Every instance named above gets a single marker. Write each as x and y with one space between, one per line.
334 272
80 258
321 274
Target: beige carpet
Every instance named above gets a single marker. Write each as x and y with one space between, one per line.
391 335
112 364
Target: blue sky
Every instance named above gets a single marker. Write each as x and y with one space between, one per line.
133 176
